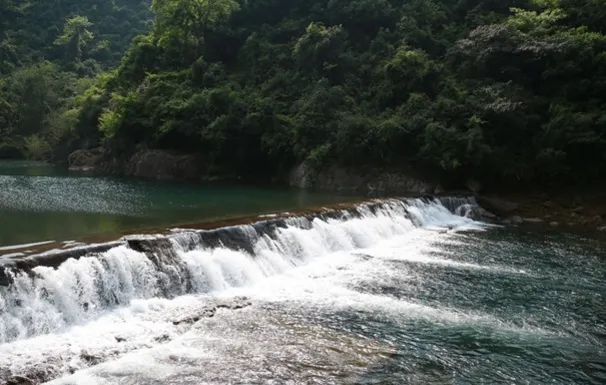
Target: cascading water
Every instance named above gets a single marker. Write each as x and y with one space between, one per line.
388 292
47 299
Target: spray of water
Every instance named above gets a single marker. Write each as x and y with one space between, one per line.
78 291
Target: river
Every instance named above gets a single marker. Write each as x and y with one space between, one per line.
397 292
39 203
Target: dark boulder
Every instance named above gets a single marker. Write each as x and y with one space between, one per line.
163 165
497 206
5 278
87 160
149 244
19 380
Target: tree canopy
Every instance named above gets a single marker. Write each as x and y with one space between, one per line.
509 90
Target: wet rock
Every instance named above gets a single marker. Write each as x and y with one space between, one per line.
514 220
92 359
5 278
53 258
478 213
234 303
149 244
205 313
498 206
207 310
19 380
162 338
578 210
234 238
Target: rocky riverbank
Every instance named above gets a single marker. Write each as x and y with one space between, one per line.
584 210
581 210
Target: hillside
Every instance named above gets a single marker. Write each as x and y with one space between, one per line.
509 91
49 52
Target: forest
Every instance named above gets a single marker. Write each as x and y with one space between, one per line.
507 91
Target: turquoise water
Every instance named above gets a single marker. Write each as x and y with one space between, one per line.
406 293
40 203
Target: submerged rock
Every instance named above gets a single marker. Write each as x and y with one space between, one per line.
533 220
208 310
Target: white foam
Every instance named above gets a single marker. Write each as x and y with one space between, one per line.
105 307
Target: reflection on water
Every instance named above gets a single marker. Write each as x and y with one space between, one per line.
39 202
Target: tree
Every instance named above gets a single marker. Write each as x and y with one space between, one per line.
75 37
189 22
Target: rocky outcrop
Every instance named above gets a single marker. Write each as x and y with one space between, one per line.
163 165
498 206
152 164
363 181
87 160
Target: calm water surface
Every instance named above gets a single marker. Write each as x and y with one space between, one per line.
39 202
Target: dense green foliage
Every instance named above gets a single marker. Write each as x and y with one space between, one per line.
48 50
508 90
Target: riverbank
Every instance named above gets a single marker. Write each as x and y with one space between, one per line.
581 210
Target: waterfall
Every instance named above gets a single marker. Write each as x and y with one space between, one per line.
44 294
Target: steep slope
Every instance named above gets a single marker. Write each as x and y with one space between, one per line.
47 48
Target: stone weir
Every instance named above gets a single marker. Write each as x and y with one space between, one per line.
239 234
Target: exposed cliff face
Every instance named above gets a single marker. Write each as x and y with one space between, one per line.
370 181
153 164
158 164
